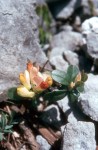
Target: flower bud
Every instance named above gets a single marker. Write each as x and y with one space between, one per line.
78 77
49 80
72 84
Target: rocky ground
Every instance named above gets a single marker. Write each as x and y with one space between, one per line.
68 34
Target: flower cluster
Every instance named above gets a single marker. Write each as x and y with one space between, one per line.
33 81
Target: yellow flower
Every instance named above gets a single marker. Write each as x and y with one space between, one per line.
24 92
25 79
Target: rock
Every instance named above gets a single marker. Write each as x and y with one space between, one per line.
96 62
43 143
56 51
52 116
89 98
46 47
92 44
77 21
95 7
18 40
72 112
59 63
71 57
77 24
63 10
51 0
90 31
79 136
40 2
90 25
69 40
66 28
67 11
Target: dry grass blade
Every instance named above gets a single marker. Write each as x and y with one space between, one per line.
8 146
29 137
50 136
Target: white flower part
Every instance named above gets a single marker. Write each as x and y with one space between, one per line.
27 76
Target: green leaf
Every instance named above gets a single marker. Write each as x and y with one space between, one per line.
60 77
12 94
73 96
7 127
80 86
1 136
84 76
8 131
55 96
65 78
72 72
3 120
35 103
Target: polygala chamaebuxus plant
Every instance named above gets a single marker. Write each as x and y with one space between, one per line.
37 90
35 83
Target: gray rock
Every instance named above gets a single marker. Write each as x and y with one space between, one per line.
77 21
43 143
79 136
67 11
71 57
96 62
90 25
90 31
66 28
64 105
92 44
52 116
51 0
77 24
72 113
40 2
56 51
18 40
95 7
63 9
59 63
69 40
89 98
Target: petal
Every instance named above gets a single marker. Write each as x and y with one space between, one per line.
29 66
27 76
44 85
32 70
23 92
25 79
37 80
